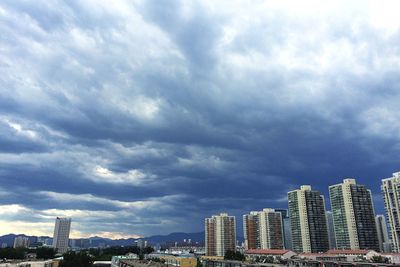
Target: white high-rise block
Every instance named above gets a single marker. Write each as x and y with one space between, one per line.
61 234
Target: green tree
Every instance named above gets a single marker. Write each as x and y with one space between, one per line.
199 264
106 254
79 259
12 253
234 255
141 256
379 259
269 259
148 250
45 253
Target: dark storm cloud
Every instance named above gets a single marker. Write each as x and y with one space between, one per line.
153 116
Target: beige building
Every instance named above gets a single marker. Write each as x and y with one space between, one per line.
171 260
220 234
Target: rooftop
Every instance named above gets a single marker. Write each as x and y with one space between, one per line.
348 251
267 251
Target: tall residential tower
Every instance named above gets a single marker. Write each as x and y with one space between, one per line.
263 230
287 233
308 220
61 234
331 230
220 234
391 196
383 237
353 216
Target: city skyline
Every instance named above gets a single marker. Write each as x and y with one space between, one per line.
285 210
137 118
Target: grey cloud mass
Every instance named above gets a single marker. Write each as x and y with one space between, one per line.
144 117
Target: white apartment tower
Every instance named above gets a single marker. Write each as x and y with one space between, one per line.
220 234
61 234
353 216
307 220
263 230
391 195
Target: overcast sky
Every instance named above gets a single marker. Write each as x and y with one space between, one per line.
144 117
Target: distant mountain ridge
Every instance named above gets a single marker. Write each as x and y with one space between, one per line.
97 241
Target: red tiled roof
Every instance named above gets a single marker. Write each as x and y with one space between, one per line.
348 251
267 251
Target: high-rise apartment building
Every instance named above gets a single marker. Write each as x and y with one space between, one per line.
287 233
383 237
353 216
220 234
308 220
391 195
21 242
61 234
251 230
263 230
331 230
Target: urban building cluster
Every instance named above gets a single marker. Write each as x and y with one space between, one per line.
60 240
306 227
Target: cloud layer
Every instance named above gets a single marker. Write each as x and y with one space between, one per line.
140 117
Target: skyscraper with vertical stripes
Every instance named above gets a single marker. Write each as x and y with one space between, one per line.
308 220
353 216
263 230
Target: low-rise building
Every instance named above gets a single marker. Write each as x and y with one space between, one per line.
47 263
116 259
276 254
322 263
139 263
344 257
353 255
394 258
187 260
180 261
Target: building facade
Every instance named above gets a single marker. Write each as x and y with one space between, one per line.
61 234
383 237
263 230
287 233
391 196
220 234
251 230
307 220
21 242
331 230
353 216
